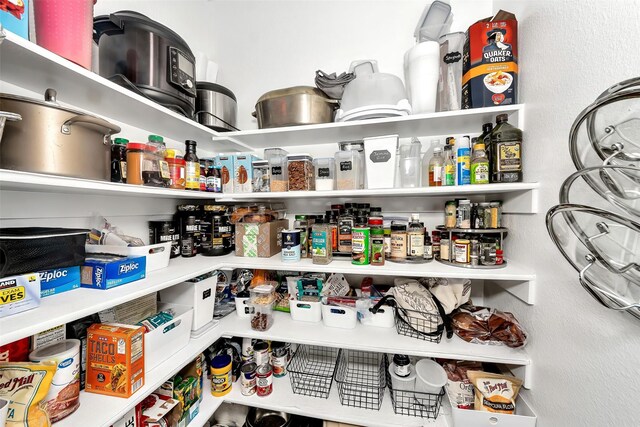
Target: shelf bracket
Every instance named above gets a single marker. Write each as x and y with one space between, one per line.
523 290
521 202
524 372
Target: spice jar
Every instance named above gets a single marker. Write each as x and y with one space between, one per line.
349 170
277 159
464 214
398 242
321 244
496 214
135 162
176 173
324 173
377 246
450 214
488 246
261 176
301 173
157 151
119 160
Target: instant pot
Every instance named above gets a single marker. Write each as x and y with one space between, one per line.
145 56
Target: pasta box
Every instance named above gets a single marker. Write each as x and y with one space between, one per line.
490 62
19 293
226 164
115 359
243 173
109 271
59 280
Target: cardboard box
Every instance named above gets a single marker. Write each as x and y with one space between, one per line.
226 164
133 418
59 280
243 173
490 62
260 240
50 336
19 293
115 359
187 388
109 271
131 312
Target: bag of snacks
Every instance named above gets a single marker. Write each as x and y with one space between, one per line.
25 385
483 325
495 392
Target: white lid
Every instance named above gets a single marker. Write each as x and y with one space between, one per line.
431 373
434 20
408 378
437 149
54 349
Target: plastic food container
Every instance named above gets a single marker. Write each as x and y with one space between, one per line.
244 307
301 173
261 176
324 173
277 159
165 340
339 317
380 156
349 170
402 383
384 318
262 299
305 311
430 377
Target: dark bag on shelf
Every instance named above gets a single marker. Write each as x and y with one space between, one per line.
33 249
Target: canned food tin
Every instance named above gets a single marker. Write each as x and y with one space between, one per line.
264 380
261 353
461 251
279 359
248 379
247 349
291 245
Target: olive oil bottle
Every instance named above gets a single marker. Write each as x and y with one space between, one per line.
506 151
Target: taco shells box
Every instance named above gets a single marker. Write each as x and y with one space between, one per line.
490 62
115 359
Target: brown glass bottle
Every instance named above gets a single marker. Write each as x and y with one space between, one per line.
192 166
506 151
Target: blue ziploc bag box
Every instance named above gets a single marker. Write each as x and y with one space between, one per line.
109 271
59 280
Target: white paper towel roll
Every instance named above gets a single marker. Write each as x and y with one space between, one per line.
201 66
212 72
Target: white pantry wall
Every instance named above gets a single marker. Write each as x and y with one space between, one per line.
586 364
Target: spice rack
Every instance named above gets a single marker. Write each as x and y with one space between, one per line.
502 232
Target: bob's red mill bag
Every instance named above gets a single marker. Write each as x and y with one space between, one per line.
490 62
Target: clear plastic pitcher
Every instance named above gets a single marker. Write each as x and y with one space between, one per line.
410 164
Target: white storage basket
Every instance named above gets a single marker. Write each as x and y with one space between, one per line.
305 311
339 317
157 255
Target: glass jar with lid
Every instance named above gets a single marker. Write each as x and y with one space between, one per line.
349 170
301 173
278 177
261 176
324 173
157 142
151 175
135 162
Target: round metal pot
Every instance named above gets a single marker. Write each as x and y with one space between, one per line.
55 140
216 107
299 105
258 417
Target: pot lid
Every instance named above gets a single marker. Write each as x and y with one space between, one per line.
124 18
50 101
214 87
295 90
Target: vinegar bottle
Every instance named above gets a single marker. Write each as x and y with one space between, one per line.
436 168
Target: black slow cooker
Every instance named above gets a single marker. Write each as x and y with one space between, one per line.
145 56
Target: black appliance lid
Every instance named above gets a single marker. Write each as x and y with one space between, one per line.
214 87
118 21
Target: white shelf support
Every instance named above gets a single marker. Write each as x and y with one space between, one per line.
524 290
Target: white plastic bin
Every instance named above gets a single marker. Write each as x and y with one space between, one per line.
157 255
244 308
305 311
339 317
384 318
380 159
167 339
201 295
524 417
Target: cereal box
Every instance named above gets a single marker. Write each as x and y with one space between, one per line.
490 62
226 164
243 173
115 359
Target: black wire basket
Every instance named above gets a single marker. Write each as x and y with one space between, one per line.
361 378
414 403
311 370
421 325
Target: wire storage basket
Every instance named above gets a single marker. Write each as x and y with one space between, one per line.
418 324
361 378
311 370
414 403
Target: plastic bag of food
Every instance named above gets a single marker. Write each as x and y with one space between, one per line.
495 392
25 385
483 325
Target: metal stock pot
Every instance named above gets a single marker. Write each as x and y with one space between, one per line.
299 105
55 140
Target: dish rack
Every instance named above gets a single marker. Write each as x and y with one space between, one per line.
600 235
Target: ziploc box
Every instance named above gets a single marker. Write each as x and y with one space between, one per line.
14 16
59 280
225 163
19 293
109 271
490 62
243 173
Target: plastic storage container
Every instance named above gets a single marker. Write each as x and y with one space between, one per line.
261 176
380 155
324 173
349 170
277 158
524 417
157 255
305 311
339 317
168 338
384 318
244 307
430 376
262 299
201 295
301 173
